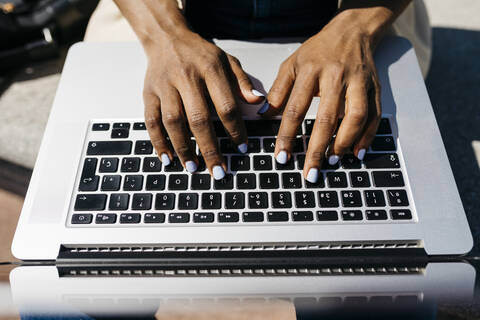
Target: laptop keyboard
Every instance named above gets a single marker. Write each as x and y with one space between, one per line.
121 182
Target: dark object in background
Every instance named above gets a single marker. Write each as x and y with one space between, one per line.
31 30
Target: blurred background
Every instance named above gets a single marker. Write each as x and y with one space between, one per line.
27 91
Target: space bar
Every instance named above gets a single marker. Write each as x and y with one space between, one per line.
104 148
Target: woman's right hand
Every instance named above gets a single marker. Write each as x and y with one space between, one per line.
184 72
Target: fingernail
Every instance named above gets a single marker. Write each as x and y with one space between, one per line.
257 93
243 148
282 157
218 173
165 159
312 175
361 154
191 166
264 108
333 159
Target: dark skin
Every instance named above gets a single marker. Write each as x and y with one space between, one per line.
185 71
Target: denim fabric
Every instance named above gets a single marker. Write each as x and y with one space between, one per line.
251 19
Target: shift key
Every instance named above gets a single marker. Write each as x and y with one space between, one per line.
90 202
104 148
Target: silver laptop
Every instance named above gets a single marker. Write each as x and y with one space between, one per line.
98 190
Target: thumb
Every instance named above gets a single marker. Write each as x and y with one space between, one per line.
247 91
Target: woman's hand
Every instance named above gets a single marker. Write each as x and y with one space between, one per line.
337 65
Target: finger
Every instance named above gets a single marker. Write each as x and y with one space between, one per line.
373 120
356 112
331 92
279 92
246 89
227 109
174 122
297 106
202 128
156 131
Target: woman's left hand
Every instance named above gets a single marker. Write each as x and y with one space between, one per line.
337 65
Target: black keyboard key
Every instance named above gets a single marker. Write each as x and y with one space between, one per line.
381 161
302 216
269 145
277 216
298 146
261 128
203 217
290 165
219 129
337 179
164 201
262 163
105 148
90 202
253 145
328 199
309 126
383 143
351 198
119 133
119 201
397 198
300 161
111 183
269 181
256 216
89 167
281 200
388 178
82 218
349 161
121 125
376 214
106 218
257 200
240 163
108 165
359 179
130 165
228 217
327 215
291 180
143 147
304 199
187 201
246 181
151 164
234 200
100 127
155 182
88 183
226 183
401 214
327 166
139 126
211 200
350 215
142 201
317 185
130 218
227 146
200 182
178 182
374 198
174 166
179 217
384 127
133 183
154 218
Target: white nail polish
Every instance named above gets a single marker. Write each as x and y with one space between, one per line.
191 166
165 159
218 173
333 159
243 148
361 154
264 108
257 93
282 157
312 175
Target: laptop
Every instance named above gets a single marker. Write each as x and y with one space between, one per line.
99 193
